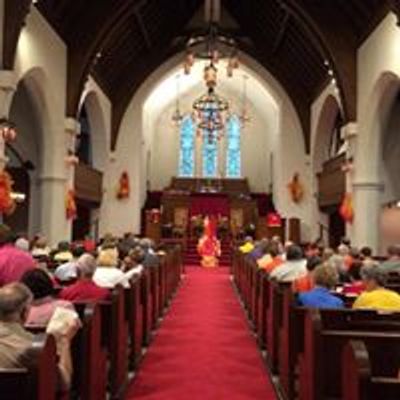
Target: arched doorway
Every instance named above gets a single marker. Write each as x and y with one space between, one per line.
24 156
329 155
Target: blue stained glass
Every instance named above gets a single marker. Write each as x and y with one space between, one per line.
187 147
210 155
233 151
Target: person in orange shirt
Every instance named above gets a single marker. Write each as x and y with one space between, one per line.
306 283
271 260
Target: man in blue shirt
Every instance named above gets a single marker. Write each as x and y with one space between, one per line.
325 278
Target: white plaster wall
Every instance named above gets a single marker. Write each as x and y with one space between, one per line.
41 60
378 71
256 142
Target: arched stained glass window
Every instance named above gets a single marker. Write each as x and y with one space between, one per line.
210 155
187 148
233 153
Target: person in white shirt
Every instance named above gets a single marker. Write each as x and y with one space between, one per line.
293 268
134 263
107 274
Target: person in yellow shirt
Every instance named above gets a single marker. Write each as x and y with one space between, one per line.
248 245
375 295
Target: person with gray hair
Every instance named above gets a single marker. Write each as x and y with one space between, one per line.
15 341
85 289
376 296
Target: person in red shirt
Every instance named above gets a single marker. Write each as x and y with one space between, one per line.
306 283
13 261
85 289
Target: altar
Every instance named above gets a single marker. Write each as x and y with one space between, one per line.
187 200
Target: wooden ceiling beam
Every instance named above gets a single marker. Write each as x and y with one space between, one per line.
281 34
143 30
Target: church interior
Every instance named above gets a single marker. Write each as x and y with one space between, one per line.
199 199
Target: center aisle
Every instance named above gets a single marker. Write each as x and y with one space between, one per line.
204 349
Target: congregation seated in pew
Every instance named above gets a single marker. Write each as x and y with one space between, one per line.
15 300
85 289
293 268
44 301
325 279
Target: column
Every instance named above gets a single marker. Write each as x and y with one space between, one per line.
57 178
367 197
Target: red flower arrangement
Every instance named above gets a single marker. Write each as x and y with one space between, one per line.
7 203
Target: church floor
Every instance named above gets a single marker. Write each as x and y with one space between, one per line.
204 349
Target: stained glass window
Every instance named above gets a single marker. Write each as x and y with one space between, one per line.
210 155
233 153
187 148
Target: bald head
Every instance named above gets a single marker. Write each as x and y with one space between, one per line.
15 298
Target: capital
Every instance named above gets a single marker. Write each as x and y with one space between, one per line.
350 130
8 81
72 126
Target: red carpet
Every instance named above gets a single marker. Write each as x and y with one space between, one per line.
204 349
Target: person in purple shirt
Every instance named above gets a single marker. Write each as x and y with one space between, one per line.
260 249
13 261
325 278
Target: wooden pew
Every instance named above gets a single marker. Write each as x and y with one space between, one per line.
134 318
89 379
147 306
89 355
115 339
358 378
261 308
320 366
39 381
274 320
155 295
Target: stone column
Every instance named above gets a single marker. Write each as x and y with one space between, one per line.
55 181
367 197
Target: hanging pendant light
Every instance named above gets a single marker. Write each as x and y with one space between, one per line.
177 116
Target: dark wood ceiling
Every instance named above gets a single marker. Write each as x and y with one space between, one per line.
121 42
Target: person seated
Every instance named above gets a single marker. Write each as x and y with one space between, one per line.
392 264
133 264
85 289
260 249
13 262
325 279
151 259
44 302
15 341
366 254
327 253
306 282
108 274
40 248
293 268
312 250
375 295
67 272
22 243
356 284
272 259
63 253
248 245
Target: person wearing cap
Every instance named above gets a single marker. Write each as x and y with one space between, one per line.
13 261
85 289
376 296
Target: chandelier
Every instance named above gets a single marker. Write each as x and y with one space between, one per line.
210 109
212 45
